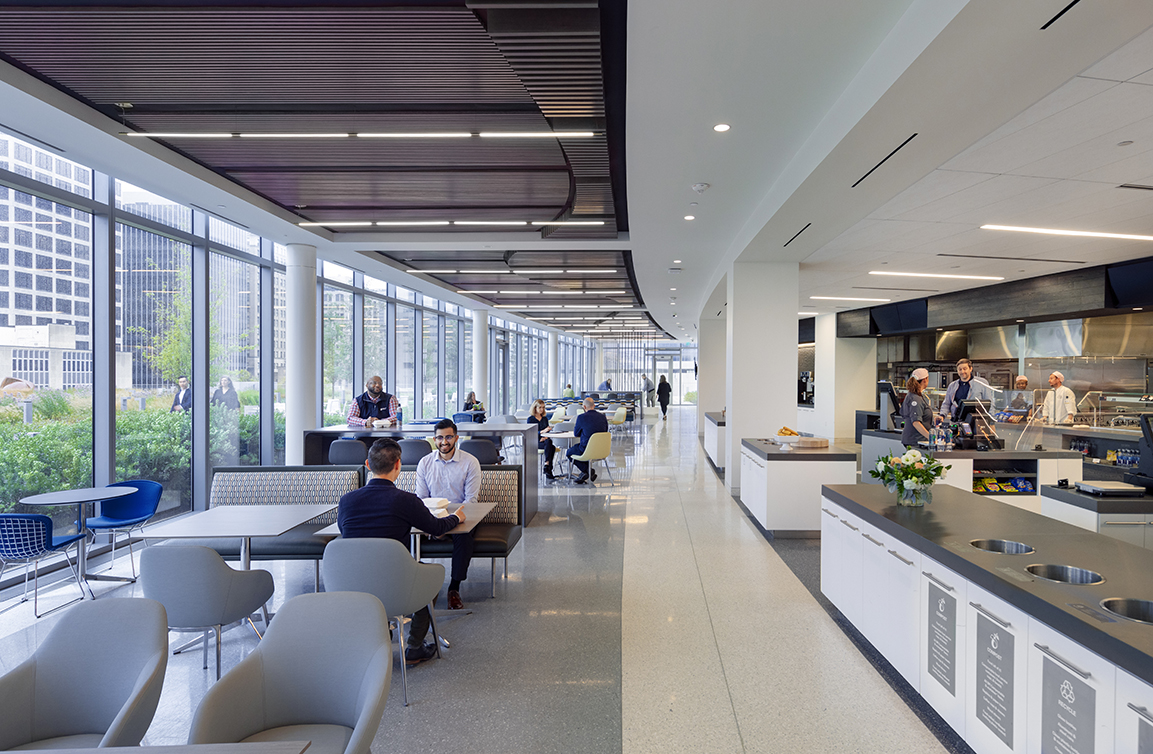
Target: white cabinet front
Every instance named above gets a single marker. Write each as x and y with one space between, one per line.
1133 731
942 642
996 674
754 485
1071 693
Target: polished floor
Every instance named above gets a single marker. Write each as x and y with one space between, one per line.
647 617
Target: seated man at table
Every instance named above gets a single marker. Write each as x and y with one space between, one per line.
379 509
373 407
455 475
587 425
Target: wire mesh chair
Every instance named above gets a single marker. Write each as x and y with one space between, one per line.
123 515
27 537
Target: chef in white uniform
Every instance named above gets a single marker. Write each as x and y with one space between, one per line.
1060 404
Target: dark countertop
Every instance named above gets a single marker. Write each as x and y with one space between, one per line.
1029 455
716 417
774 452
1099 503
943 529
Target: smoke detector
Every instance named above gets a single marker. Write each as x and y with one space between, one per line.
701 188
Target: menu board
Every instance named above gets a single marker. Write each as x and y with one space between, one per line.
1068 711
995 681
942 637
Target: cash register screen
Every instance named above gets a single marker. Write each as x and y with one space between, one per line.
975 413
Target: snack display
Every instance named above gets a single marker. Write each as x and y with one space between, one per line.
786 432
978 486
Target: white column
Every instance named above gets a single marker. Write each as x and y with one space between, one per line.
300 350
761 355
554 388
480 354
711 370
845 376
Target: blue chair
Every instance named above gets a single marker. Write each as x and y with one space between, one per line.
28 537
463 419
123 514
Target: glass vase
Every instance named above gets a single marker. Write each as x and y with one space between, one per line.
915 498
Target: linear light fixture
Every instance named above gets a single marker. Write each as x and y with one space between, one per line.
847 298
404 223
519 293
580 306
568 222
483 292
337 224
446 135
608 293
296 136
434 272
176 135
490 222
590 272
806 314
935 275
534 272
485 272
1059 232
536 134
563 293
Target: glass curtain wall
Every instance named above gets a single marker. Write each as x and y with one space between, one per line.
430 358
375 340
406 359
279 358
337 391
452 395
234 361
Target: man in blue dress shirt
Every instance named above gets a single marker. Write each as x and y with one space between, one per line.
379 509
587 425
455 475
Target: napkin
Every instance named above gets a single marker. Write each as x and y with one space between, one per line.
435 503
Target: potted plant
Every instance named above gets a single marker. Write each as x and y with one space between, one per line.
911 476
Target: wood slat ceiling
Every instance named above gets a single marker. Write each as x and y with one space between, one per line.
350 68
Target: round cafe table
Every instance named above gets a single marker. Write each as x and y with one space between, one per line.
79 497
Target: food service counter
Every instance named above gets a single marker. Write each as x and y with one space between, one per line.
781 485
970 467
1017 652
715 438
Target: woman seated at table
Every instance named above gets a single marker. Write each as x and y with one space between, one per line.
472 404
539 417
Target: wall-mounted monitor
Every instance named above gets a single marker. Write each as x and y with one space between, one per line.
906 316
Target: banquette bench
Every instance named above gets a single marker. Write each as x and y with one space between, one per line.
280 485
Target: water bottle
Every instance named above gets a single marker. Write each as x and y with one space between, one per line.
399 416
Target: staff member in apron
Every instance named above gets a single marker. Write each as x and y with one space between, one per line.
916 409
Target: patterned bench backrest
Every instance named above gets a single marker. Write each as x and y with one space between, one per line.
498 484
284 485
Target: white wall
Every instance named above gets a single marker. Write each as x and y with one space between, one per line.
845 379
711 369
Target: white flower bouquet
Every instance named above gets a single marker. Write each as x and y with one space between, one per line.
911 476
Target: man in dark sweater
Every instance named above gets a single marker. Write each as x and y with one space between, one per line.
379 509
587 424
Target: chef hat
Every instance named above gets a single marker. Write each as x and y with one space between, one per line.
920 373
1059 376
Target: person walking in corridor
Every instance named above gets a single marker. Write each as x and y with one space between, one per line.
664 394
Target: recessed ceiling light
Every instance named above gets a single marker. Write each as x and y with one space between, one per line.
672 289
935 275
690 217
806 314
672 303
458 135
568 222
846 298
1137 308
295 136
403 223
484 272
340 224
536 134
534 272
939 329
1059 232
676 261
721 127
175 135
1020 320
490 222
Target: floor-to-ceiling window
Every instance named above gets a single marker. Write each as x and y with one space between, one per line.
452 397
337 385
406 359
234 361
430 361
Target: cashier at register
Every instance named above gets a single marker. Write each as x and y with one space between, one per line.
966 388
916 409
1060 404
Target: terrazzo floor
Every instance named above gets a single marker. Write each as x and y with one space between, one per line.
647 617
